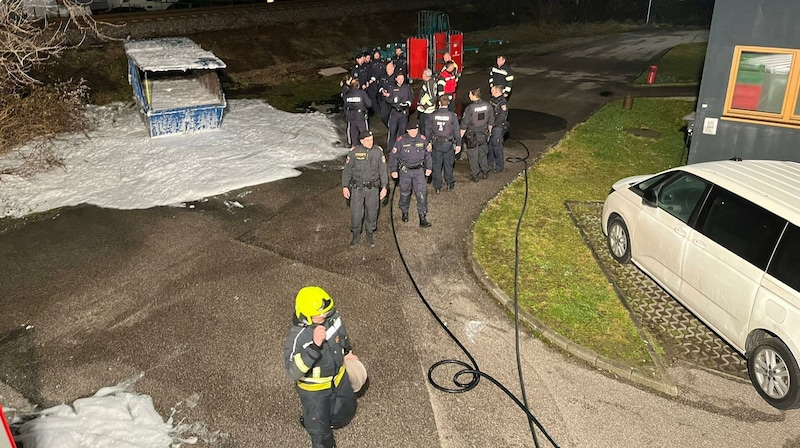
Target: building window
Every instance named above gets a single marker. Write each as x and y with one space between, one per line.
764 85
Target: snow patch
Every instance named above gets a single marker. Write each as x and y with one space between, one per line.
114 417
117 165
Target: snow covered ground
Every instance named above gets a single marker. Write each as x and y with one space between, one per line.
114 417
117 165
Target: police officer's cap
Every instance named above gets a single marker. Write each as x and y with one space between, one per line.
412 124
364 134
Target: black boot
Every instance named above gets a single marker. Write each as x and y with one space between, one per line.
423 222
354 241
405 217
370 241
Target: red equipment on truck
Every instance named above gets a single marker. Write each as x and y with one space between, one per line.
434 39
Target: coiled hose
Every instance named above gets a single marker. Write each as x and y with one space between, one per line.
470 374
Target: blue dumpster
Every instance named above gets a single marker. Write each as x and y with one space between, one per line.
175 84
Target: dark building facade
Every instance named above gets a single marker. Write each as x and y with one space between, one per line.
748 103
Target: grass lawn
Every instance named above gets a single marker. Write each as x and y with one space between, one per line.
682 64
560 281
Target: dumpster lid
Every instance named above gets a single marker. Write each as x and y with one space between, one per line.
170 54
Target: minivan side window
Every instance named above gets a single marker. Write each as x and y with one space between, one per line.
785 266
742 227
679 196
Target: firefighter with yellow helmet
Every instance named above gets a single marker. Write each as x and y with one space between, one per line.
319 358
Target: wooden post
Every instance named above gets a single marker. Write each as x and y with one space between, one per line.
627 103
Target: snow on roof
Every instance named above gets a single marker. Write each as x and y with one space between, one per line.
170 54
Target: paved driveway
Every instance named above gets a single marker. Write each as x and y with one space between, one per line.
200 299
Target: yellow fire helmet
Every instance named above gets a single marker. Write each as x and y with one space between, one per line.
312 301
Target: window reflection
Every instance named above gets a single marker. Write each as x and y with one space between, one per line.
761 82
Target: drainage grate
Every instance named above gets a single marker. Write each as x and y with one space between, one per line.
680 333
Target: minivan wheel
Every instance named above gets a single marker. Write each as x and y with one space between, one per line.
774 373
619 241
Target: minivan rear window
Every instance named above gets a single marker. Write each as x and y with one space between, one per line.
785 266
742 227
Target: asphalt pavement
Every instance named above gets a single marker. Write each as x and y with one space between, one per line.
200 301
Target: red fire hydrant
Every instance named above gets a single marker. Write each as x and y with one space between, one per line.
651 74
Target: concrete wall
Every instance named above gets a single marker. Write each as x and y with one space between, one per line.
764 23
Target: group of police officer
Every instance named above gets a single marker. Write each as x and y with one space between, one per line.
417 149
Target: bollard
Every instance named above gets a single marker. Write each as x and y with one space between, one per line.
627 103
651 74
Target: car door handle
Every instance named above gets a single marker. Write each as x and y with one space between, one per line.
699 244
680 231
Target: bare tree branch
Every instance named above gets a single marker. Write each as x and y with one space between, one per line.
27 41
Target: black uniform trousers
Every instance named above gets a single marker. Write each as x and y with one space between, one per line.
495 155
443 158
327 409
372 93
356 122
397 127
477 156
424 119
364 201
413 179
385 108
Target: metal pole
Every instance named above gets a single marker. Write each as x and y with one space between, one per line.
649 5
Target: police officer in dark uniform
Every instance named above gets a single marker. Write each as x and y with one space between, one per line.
377 71
410 162
385 84
444 139
399 99
476 124
500 105
361 71
364 181
400 61
356 104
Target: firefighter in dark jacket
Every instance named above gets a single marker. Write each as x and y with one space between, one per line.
476 123
496 155
444 140
364 181
426 105
316 350
410 163
501 75
356 104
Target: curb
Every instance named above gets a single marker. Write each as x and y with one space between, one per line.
658 379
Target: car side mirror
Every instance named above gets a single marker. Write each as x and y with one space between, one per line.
650 198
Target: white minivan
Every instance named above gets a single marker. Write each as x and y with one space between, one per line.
723 238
